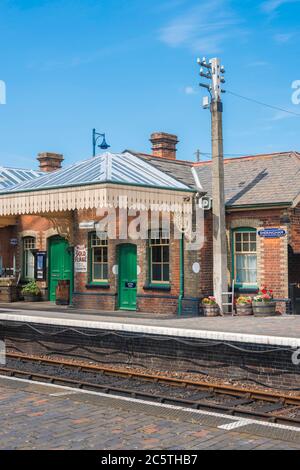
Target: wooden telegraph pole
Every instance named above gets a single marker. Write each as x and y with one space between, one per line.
213 72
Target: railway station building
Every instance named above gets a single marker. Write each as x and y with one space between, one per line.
133 231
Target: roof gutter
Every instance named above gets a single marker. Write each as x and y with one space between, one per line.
117 183
275 205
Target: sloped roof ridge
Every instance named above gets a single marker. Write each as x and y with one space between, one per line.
252 157
149 155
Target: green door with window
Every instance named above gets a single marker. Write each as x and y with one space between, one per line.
60 265
127 277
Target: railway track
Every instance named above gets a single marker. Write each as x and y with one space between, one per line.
231 400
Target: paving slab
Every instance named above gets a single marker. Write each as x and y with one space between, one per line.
116 423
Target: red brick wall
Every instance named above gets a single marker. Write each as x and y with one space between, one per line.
295 229
7 251
206 258
272 253
101 298
273 265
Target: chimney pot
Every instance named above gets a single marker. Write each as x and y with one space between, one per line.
164 145
50 161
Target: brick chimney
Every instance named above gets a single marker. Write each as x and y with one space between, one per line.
50 161
164 145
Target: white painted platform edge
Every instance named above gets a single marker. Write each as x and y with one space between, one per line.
234 421
154 330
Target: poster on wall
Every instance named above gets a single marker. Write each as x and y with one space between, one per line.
40 265
80 259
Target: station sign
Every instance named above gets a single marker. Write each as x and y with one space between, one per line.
13 241
87 225
272 233
130 285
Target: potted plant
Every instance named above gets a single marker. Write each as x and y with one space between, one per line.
31 292
244 306
263 303
210 307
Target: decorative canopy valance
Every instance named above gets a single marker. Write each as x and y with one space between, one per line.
93 197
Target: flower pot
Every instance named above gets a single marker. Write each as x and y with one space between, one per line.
211 310
243 310
31 298
264 309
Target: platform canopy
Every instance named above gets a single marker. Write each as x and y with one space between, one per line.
10 177
109 180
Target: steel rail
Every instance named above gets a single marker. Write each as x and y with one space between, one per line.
190 404
201 385
247 396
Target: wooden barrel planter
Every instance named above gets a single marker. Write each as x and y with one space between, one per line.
264 309
31 298
211 310
244 310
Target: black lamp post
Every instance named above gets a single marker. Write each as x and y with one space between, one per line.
103 146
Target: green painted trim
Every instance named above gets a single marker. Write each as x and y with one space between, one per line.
153 286
72 276
150 283
181 262
240 286
53 188
244 289
90 282
244 229
119 253
105 285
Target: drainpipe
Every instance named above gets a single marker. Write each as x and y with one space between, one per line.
181 267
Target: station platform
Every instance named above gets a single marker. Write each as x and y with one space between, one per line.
283 330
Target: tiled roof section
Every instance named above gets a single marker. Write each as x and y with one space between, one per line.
117 168
261 179
11 176
179 169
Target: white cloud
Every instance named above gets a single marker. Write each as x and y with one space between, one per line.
280 115
270 6
203 28
258 63
283 38
189 90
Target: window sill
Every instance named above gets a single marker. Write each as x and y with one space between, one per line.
165 287
246 289
98 285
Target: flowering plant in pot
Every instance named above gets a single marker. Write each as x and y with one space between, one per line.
244 306
31 292
210 307
263 303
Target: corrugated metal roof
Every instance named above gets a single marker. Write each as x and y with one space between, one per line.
122 168
12 176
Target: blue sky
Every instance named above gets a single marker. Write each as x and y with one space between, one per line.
128 67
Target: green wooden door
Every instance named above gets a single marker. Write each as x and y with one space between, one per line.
60 265
127 277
